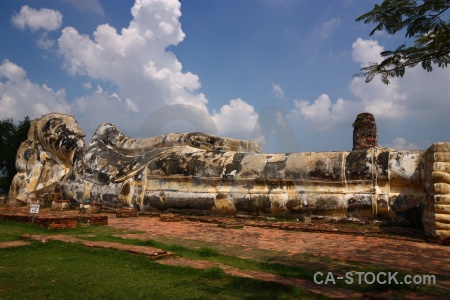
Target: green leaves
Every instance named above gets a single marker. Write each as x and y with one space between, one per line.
11 136
423 20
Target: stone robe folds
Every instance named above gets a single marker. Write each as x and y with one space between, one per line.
196 172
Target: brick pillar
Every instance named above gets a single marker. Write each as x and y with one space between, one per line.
436 180
364 132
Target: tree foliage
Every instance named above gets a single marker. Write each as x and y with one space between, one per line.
426 21
11 136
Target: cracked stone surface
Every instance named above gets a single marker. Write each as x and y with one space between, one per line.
201 173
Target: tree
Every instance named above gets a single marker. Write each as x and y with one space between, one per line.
424 20
11 136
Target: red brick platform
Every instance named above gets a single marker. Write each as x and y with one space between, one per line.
52 219
320 246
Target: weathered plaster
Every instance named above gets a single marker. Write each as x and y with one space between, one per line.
436 215
188 172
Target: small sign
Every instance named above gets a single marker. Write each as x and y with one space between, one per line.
34 208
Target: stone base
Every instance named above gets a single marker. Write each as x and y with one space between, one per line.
126 212
14 203
58 223
171 218
231 225
49 221
59 205
94 220
92 208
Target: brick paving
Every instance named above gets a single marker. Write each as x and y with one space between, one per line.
13 244
272 244
395 254
152 252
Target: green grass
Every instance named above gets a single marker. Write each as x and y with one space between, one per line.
43 266
284 269
56 270
214 273
309 263
208 252
11 231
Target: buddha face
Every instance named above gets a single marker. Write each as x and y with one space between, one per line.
60 135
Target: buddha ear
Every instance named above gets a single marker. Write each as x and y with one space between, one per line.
32 133
28 153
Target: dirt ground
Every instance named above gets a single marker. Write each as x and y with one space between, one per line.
323 246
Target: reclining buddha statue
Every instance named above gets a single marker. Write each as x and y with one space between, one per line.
196 172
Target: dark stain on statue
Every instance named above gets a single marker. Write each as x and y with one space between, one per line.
357 165
383 165
256 205
326 206
235 165
194 166
237 158
359 203
28 154
412 216
50 123
67 142
169 164
79 154
103 178
319 171
125 189
111 200
274 170
125 170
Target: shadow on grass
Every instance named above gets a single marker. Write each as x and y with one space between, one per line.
302 266
55 270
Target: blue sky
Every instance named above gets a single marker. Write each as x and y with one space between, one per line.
222 67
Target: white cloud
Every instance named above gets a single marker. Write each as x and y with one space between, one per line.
323 114
60 93
384 101
135 61
388 102
131 105
404 100
237 119
283 128
94 109
46 19
401 144
115 96
366 51
12 72
416 95
418 104
99 89
277 91
19 97
44 42
145 74
329 26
